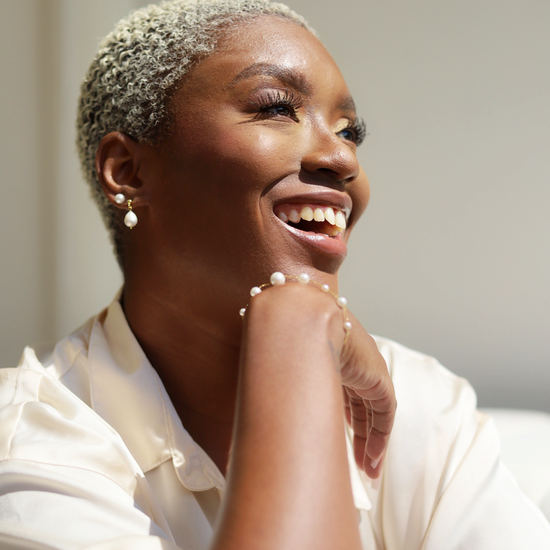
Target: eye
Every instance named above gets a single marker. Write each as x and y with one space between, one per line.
347 134
278 103
355 131
282 110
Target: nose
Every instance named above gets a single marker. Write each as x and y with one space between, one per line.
330 155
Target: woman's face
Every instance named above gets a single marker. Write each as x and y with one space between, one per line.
263 129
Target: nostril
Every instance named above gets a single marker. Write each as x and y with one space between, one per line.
341 167
332 173
337 176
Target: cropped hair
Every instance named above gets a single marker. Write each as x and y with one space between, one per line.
138 67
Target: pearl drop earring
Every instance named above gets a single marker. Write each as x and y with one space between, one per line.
130 220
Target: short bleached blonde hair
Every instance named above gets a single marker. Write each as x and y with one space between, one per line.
139 65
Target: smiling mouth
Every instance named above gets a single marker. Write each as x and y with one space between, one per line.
322 220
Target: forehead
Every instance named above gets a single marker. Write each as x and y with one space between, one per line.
274 37
272 46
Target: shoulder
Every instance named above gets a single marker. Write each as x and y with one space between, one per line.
435 427
443 482
436 413
57 453
423 384
436 422
43 422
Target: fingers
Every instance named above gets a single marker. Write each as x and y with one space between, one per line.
382 407
369 399
360 424
375 471
347 411
371 433
370 402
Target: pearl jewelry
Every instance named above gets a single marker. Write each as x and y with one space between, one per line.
120 198
130 220
277 278
341 301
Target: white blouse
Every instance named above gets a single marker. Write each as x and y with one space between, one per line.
93 455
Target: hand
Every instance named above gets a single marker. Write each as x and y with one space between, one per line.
369 398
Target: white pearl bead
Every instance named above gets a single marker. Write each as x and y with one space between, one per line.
325 288
277 278
347 325
242 311
342 302
130 220
255 290
303 279
120 198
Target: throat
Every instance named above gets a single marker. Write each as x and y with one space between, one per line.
214 436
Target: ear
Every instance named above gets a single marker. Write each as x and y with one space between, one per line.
117 164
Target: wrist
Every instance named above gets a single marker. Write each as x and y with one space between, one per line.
277 279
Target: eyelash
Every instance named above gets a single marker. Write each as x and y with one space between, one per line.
270 99
293 101
359 129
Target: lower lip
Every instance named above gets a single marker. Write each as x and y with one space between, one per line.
329 245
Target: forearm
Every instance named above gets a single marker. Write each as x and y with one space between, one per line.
289 484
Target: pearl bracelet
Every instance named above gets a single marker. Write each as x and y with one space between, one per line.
279 278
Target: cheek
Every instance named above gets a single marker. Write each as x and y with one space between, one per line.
253 157
216 179
360 193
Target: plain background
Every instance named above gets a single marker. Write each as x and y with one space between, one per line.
452 256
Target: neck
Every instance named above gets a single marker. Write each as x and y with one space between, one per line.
195 351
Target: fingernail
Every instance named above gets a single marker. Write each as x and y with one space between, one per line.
375 462
375 483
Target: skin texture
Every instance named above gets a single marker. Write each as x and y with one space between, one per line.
206 234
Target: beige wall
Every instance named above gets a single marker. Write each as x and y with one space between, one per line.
21 291
56 267
452 257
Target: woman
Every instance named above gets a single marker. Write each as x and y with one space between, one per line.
219 139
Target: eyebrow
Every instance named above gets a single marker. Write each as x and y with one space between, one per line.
347 104
287 76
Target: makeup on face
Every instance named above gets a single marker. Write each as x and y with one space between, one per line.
261 161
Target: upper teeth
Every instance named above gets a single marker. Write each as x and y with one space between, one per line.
319 215
331 218
294 217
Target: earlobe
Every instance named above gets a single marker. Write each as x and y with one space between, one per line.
117 163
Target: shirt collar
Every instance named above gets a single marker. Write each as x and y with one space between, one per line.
128 394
